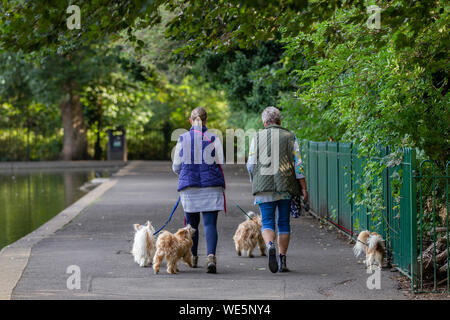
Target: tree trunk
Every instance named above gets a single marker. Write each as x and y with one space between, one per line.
75 132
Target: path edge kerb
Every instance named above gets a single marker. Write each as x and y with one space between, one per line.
14 257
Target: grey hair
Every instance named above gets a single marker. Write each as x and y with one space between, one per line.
271 115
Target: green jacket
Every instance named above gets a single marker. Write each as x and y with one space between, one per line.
275 172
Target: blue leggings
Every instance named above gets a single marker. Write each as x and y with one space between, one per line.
268 216
210 224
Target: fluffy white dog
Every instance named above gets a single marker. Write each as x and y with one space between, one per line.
144 244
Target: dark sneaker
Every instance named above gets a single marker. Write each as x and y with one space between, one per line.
211 264
272 254
282 263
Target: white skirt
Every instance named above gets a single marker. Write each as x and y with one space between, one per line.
202 199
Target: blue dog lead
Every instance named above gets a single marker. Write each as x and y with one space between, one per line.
170 217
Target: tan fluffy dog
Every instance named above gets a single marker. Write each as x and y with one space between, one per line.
373 245
248 236
174 247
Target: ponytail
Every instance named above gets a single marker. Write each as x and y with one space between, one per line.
197 122
198 116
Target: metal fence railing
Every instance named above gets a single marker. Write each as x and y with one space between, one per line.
413 219
21 144
433 228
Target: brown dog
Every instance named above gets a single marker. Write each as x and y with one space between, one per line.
248 236
373 245
174 247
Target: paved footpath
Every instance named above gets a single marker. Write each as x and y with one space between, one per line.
99 239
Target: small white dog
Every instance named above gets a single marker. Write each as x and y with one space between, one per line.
372 244
144 244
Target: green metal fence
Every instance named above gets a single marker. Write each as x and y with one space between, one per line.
334 175
433 228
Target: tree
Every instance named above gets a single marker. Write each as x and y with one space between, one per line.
242 74
61 80
338 89
205 24
372 86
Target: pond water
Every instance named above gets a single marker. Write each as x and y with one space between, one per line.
28 199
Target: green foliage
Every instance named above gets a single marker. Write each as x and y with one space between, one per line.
29 133
170 109
246 77
335 79
28 129
144 90
376 95
14 78
36 27
156 50
206 24
372 88
31 26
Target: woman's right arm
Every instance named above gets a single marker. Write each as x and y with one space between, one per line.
299 170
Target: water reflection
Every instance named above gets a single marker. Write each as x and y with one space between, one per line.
29 199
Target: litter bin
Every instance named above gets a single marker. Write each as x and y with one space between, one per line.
117 144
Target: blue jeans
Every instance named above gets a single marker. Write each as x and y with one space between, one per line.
268 216
210 225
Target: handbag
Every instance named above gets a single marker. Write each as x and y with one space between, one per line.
296 206
299 206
